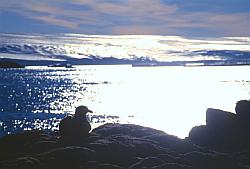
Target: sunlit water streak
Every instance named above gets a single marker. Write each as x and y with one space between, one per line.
173 99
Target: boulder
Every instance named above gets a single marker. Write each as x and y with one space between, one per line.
224 131
219 118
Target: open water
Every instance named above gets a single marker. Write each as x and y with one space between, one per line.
172 99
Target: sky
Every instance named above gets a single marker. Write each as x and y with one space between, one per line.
199 18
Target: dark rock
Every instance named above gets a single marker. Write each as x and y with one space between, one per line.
22 163
19 144
126 129
219 133
108 166
69 152
172 166
97 165
147 163
210 160
146 133
43 146
120 146
219 118
243 157
172 142
173 159
242 110
66 157
123 150
157 163
224 131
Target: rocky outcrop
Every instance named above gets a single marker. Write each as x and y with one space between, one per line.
111 146
223 143
224 131
242 110
219 118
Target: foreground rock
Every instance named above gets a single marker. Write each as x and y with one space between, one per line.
111 146
225 131
223 143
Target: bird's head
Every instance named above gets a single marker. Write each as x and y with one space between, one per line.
82 110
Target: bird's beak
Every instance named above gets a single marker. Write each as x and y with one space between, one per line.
90 111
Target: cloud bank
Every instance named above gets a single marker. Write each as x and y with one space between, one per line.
130 47
173 17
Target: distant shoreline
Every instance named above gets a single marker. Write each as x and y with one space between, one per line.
10 64
19 63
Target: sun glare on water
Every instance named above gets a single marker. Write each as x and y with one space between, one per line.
172 99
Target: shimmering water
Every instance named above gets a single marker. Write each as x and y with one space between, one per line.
173 99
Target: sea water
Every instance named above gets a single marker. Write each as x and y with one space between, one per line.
172 99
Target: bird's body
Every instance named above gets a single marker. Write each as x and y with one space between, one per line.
77 126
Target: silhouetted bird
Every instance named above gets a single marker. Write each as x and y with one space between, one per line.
77 126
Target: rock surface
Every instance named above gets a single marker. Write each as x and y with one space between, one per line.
225 131
111 146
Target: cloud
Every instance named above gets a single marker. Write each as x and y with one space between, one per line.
55 21
100 13
137 8
131 17
223 24
134 29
